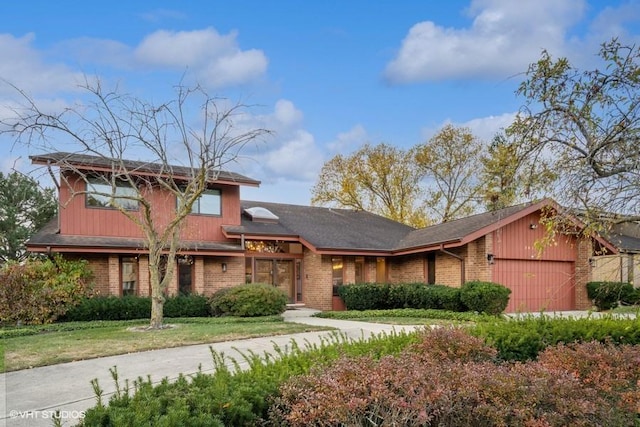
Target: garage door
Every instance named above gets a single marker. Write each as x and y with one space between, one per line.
537 285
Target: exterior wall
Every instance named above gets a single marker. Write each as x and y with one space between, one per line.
448 270
407 269
112 223
215 279
317 281
583 273
100 267
477 266
617 268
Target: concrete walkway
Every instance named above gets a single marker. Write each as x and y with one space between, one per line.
33 395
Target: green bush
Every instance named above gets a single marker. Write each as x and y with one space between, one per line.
608 295
134 307
249 300
485 297
524 338
192 305
365 296
382 296
41 290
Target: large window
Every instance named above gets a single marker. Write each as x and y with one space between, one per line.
208 203
101 194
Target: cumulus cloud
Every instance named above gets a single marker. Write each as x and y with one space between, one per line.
503 38
347 141
485 128
23 67
215 59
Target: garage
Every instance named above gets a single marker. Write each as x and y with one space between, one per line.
537 285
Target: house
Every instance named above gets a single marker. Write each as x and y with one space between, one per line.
625 265
309 251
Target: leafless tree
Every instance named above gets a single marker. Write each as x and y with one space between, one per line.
117 127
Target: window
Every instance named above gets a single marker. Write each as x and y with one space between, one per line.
100 195
431 269
337 268
129 271
208 203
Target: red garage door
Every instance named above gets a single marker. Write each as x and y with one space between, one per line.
537 285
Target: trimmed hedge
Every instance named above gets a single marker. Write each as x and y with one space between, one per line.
134 307
382 296
608 295
485 297
249 300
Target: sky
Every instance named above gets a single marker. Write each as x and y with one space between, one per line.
326 76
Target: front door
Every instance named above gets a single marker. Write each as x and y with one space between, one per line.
279 273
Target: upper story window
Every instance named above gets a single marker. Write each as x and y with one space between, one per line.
209 203
102 195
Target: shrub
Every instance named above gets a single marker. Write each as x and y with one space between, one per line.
441 389
607 295
249 300
442 297
41 290
365 296
109 308
192 305
485 297
523 339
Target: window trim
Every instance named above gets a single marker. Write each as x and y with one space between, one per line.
196 203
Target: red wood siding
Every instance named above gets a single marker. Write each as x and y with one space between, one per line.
79 220
518 241
537 285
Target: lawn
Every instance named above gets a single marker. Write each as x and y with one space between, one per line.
65 342
410 316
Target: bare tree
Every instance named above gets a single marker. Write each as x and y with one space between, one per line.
114 127
587 123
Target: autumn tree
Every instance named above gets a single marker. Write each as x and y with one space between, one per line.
381 179
199 132
586 122
508 177
24 209
449 162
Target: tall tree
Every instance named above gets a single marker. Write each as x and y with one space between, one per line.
24 209
117 127
381 179
587 123
508 177
449 161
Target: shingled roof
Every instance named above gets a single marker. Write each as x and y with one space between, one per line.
325 229
625 236
103 163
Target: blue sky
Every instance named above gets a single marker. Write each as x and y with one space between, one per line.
326 76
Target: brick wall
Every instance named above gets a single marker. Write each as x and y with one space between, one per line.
407 269
448 271
215 279
144 285
476 265
100 268
583 273
317 282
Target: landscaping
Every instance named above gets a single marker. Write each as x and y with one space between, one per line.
571 372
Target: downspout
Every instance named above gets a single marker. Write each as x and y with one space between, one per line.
459 258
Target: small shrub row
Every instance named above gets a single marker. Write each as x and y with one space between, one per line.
418 313
481 297
608 295
41 290
525 338
134 307
249 300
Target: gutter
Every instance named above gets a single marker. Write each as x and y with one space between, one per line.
459 258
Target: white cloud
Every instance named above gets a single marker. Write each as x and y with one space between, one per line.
504 37
215 59
347 141
298 157
24 67
485 128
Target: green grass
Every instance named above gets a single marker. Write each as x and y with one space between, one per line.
65 342
627 309
409 316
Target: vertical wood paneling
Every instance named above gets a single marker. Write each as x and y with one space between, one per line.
537 285
79 220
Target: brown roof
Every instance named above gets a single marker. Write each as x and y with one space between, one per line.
104 163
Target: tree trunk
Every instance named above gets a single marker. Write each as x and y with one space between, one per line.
157 312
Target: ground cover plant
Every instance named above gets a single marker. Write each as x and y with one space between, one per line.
40 345
412 316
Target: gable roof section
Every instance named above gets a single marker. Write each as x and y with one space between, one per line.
105 164
326 230
625 236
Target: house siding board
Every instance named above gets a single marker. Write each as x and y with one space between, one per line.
77 219
537 285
